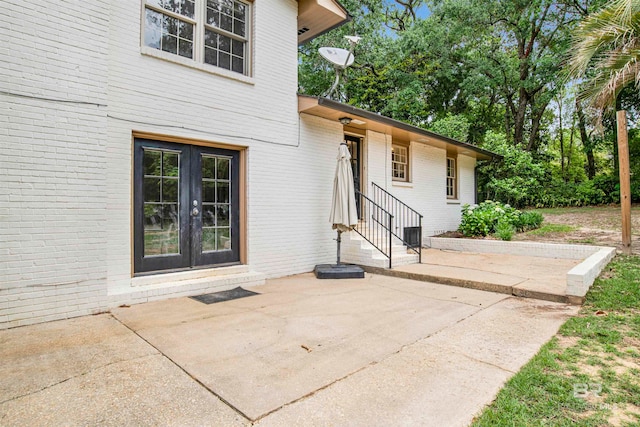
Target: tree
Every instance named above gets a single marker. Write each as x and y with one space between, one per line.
456 127
517 179
517 44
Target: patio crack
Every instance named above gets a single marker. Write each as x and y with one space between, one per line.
481 307
402 348
176 364
82 374
498 273
484 362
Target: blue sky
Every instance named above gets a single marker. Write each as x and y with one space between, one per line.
422 11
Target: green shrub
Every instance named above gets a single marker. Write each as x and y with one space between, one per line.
494 217
529 220
504 229
516 179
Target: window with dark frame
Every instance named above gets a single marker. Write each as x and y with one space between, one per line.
214 32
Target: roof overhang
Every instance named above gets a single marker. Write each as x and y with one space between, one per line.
316 17
362 120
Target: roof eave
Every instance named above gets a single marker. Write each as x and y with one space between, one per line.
341 17
480 153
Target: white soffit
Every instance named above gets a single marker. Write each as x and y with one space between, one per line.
317 16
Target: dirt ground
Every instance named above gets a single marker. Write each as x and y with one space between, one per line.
599 225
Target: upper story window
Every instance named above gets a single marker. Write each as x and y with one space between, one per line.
214 32
399 163
452 184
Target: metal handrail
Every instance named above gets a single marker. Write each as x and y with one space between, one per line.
378 234
408 221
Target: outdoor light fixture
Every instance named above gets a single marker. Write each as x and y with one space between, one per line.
345 120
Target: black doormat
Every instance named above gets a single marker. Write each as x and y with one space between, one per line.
224 296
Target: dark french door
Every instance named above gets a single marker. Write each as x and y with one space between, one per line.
186 206
354 144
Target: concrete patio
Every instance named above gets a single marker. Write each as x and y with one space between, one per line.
374 351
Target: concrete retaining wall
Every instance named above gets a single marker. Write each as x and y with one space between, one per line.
543 250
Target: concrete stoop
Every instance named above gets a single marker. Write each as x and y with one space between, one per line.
551 272
356 250
579 279
182 284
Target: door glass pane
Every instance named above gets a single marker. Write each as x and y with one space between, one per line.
170 190
208 239
152 189
208 191
223 169
208 167
161 202
216 231
223 192
152 162
208 215
170 164
224 239
223 215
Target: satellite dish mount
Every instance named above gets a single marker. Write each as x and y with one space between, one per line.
340 58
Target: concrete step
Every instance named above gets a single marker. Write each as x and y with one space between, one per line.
188 283
357 250
398 260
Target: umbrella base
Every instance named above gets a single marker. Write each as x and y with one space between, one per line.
338 271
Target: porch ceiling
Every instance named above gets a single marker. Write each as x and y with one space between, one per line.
316 17
363 120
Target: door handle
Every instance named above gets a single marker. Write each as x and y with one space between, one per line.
195 212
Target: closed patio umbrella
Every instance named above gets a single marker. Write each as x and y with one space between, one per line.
343 217
344 214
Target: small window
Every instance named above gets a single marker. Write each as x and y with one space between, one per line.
214 32
452 184
399 163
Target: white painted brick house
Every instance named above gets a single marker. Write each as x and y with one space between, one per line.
152 149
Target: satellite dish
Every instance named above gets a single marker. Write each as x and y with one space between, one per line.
339 57
353 39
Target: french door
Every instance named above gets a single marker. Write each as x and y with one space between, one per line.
186 206
354 144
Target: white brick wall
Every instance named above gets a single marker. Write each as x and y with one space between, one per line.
75 86
53 93
290 199
289 159
65 180
426 190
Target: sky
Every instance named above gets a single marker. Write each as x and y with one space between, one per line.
422 11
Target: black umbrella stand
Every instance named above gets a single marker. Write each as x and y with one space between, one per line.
338 270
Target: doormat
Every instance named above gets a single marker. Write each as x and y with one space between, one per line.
224 296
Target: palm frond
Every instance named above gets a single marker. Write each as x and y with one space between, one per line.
605 53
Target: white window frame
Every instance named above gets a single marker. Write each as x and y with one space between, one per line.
452 178
199 23
400 164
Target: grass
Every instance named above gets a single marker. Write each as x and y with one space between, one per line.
548 229
589 373
587 241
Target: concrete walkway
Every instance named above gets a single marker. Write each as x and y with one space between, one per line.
518 275
375 351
